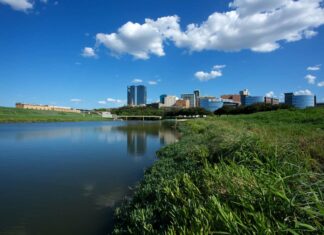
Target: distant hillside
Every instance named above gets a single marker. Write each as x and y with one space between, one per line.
12 115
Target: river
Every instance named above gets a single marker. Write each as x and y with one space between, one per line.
67 178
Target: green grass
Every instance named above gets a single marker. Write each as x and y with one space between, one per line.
13 115
247 174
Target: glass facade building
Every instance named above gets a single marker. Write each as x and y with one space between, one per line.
211 104
191 98
250 100
303 101
162 98
136 95
141 95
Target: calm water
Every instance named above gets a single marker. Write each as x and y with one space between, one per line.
66 178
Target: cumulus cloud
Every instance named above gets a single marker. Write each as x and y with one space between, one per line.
136 80
19 5
88 52
270 94
310 78
75 100
303 92
256 25
214 73
314 68
320 84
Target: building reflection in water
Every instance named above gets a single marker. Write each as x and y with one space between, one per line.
137 135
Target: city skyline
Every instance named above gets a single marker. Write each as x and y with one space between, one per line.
53 54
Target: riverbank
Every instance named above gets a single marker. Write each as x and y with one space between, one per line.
13 115
260 173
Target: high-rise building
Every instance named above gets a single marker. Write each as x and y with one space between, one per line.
197 94
141 95
131 91
191 98
162 97
136 95
289 98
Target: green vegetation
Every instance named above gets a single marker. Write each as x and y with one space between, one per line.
164 112
246 174
255 108
138 111
8 115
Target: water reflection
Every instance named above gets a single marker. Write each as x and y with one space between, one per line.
66 178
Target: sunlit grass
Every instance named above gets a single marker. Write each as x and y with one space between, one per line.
246 174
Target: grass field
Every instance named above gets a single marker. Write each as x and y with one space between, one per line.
247 174
11 115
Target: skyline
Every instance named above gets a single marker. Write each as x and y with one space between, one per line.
85 55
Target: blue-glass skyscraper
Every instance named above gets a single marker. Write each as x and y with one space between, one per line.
136 95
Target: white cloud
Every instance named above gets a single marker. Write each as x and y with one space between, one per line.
320 84
115 101
88 52
303 92
75 100
44 1
136 80
310 78
214 73
103 102
314 68
257 25
270 94
152 82
19 5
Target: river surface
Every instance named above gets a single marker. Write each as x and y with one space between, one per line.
67 178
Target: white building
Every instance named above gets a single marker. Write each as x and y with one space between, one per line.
170 100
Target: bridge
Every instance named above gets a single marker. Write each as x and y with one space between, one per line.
141 117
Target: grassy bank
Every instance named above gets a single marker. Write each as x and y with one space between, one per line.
247 174
12 115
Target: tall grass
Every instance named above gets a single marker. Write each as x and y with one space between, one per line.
248 174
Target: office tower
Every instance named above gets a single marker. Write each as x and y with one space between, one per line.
162 98
197 94
289 98
131 91
141 95
244 94
136 95
191 98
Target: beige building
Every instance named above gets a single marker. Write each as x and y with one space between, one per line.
46 108
182 103
169 100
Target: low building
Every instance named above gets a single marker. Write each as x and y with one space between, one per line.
300 101
271 100
303 101
250 100
182 104
210 103
235 97
46 108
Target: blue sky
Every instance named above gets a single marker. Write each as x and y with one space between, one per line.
84 54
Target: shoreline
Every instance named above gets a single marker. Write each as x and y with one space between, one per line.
226 173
